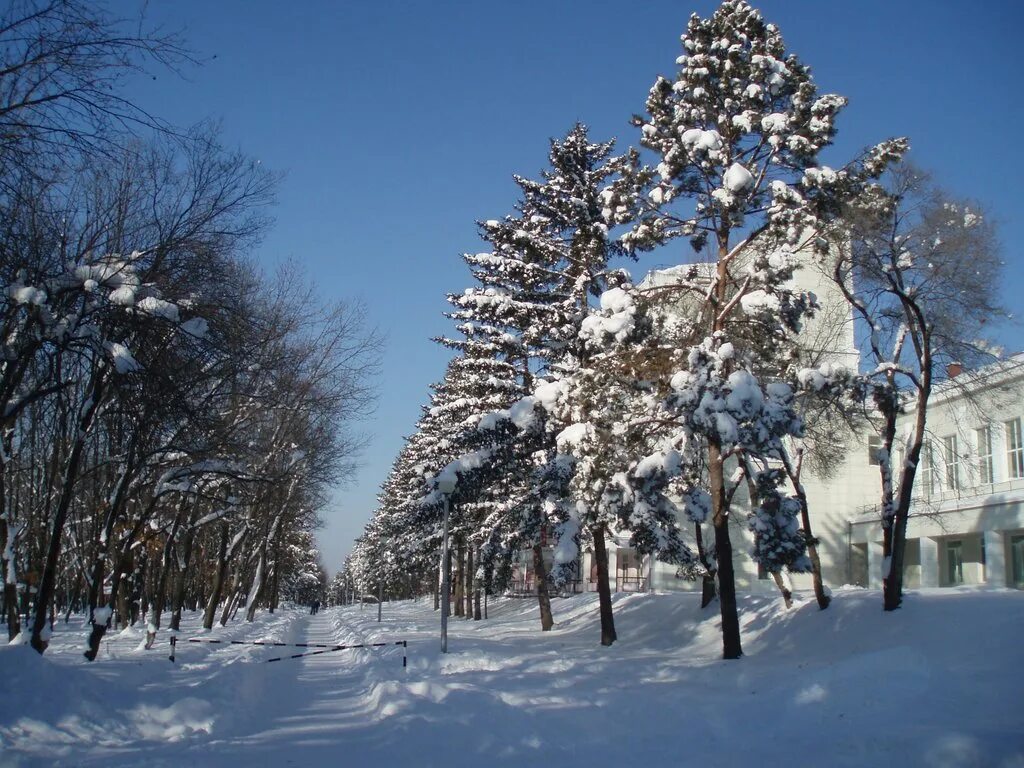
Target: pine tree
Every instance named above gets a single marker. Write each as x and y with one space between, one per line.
737 135
576 413
545 262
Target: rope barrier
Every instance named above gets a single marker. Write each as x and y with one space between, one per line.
328 648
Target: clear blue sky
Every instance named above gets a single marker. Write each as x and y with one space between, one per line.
399 125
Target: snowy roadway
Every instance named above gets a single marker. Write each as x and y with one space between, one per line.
936 684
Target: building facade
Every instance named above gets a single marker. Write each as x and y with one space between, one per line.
967 518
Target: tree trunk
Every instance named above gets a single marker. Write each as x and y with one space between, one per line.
731 646
158 600
99 628
124 615
891 538
275 581
459 578
708 591
138 602
820 593
219 577
543 598
10 580
180 577
892 584
470 579
260 578
48 584
75 597
121 597
894 544
476 594
7 554
604 592
257 586
234 596
167 556
787 594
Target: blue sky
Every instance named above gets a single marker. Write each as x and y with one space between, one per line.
399 124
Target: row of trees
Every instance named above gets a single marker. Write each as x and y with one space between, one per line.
580 404
172 419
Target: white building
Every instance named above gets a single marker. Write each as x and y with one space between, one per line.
967 518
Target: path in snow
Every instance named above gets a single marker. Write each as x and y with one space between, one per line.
295 711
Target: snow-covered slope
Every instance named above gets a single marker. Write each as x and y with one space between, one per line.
939 683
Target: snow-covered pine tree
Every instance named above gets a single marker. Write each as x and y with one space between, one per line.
513 308
490 371
429 449
568 205
522 314
398 514
408 520
737 136
595 408
577 414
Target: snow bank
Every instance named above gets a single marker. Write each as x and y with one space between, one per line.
948 666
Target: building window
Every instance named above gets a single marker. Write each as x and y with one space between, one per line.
986 475
928 478
548 535
1017 561
1014 450
874 444
951 465
628 574
954 563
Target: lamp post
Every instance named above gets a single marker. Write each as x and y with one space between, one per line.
380 598
445 485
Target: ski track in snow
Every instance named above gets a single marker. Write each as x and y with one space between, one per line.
822 685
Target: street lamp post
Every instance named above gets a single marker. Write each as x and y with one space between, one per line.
445 585
445 485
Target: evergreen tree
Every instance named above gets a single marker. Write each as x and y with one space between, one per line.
737 135
545 261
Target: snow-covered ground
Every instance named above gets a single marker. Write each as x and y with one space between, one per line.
939 683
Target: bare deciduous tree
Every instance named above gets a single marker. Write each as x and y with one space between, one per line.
920 272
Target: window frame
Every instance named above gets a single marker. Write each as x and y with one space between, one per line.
874 445
1017 561
929 475
985 462
1014 449
955 568
950 463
